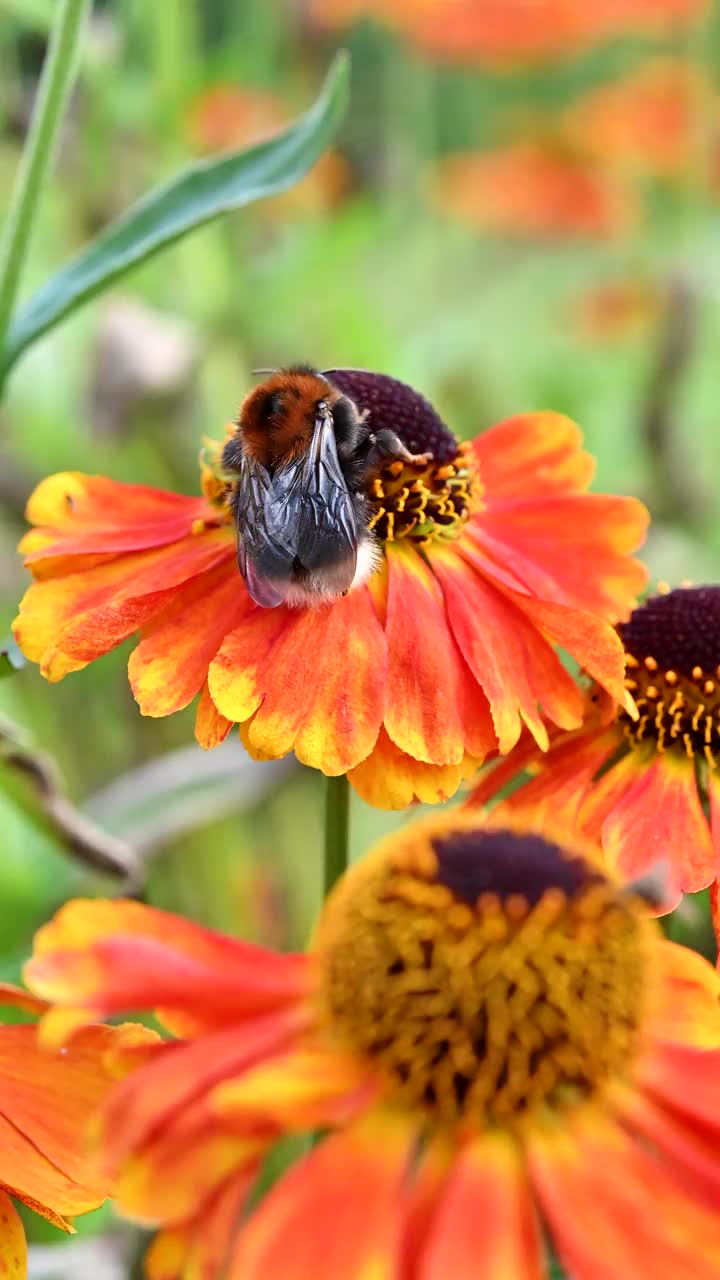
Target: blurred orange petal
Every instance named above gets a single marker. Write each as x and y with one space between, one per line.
533 189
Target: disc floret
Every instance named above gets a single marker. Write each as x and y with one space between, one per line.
491 975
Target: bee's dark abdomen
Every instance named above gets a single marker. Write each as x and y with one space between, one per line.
397 406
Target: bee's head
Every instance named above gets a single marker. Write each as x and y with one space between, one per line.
278 417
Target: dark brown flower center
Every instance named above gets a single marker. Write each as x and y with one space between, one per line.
420 501
672 643
489 974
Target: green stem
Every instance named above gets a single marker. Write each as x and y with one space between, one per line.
337 829
53 91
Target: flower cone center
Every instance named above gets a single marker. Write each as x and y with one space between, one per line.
672 645
419 501
488 975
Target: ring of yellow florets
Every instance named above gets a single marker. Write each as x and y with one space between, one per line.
488 974
424 501
420 500
673 671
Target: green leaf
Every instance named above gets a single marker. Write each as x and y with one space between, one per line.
196 196
11 659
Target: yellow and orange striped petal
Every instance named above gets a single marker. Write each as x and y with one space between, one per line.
13 1246
660 817
178 1073
45 1104
302 1089
391 779
485 1219
435 711
538 522
312 680
66 622
593 1181
102 957
170 665
340 1207
199 1248
508 656
79 515
688 1011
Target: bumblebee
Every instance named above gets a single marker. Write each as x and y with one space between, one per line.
299 464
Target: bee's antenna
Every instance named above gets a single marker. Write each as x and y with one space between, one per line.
256 372
345 368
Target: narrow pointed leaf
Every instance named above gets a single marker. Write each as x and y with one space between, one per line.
197 195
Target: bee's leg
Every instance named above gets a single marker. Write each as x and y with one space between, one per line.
386 446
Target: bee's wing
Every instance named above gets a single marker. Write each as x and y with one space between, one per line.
311 513
264 562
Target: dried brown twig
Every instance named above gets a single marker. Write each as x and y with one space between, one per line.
83 838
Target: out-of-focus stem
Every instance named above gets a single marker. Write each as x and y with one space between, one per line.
337 830
55 84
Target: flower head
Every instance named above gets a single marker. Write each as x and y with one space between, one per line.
490 553
647 122
45 1100
491 1034
639 785
534 188
505 33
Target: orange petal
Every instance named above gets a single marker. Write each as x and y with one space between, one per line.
561 778
564 545
312 679
593 1182
170 665
302 1089
66 622
390 779
686 1080
691 1152
533 455
340 1207
151 1099
181 1167
423 716
95 514
507 654
106 956
210 727
689 1009
16 998
199 1248
13 1246
485 1224
660 817
45 1103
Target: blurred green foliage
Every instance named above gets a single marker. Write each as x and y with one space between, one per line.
361 268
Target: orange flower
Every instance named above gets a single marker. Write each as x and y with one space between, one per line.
492 552
638 786
533 188
45 1101
490 1033
508 32
617 310
648 122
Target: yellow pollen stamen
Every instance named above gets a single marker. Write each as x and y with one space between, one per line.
709 686
697 673
424 501
490 1006
671 677
651 664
